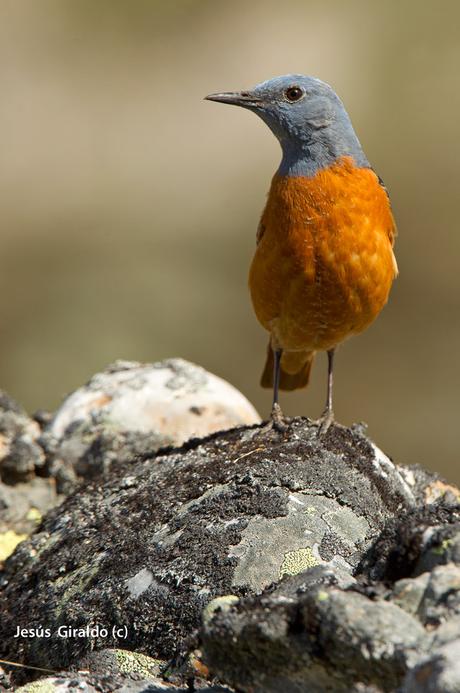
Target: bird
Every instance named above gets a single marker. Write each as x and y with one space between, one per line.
324 261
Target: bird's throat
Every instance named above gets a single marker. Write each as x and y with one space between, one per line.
319 151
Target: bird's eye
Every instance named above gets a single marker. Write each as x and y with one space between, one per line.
293 93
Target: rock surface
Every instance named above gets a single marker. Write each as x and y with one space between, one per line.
20 451
126 410
324 632
77 682
426 537
268 561
320 637
131 408
439 672
24 496
148 548
108 671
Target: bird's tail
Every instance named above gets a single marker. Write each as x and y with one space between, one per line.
294 372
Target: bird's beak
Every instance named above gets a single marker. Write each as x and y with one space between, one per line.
236 98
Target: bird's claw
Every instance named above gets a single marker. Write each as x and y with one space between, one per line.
275 422
325 421
277 419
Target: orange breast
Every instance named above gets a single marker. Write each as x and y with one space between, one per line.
324 262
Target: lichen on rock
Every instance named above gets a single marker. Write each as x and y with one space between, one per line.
276 561
131 408
151 545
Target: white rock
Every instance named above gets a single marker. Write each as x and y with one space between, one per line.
174 398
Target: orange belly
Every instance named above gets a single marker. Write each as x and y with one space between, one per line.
324 262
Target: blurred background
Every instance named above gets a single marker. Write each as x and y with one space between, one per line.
129 206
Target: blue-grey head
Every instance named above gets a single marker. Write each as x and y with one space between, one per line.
307 117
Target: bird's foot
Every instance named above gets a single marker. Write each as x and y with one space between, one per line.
276 422
324 422
277 419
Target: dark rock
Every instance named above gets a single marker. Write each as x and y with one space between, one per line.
438 673
23 505
24 496
112 671
121 662
414 543
361 639
446 632
71 682
408 593
440 546
20 452
325 638
5 680
441 598
148 548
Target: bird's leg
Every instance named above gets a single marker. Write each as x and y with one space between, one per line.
277 414
327 417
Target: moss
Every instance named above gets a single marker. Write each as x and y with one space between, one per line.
322 596
75 583
442 548
223 603
296 561
35 515
8 542
205 497
135 662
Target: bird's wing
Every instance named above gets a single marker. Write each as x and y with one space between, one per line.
393 231
260 232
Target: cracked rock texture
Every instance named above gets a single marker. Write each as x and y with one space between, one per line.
320 637
325 632
149 547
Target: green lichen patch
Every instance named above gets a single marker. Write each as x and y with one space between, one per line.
295 562
34 514
223 515
136 662
44 686
8 542
442 548
219 603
